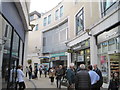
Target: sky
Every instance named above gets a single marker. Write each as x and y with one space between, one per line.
43 5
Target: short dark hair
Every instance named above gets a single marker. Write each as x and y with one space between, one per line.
19 66
90 67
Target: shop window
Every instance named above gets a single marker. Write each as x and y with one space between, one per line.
99 48
104 67
104 47
111 45
114 63
80 22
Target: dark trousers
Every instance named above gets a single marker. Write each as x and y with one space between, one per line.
58 82
40 73
45 74
30 75
21 86
26 74
95 87
52 79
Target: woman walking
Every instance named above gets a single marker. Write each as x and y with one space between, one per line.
52 75
114 82
20 76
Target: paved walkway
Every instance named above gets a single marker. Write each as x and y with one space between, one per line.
41 83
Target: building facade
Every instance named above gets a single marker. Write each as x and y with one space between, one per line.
34 41
14 27
103 37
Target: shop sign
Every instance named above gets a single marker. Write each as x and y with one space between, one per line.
58 54
80 58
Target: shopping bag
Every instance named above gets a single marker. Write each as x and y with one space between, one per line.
64 82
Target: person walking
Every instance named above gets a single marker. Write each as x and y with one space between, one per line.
114 82
45 71
30 72
20 76
36 71
52 75
100 82
27 71
40 71
59 74
82 79
94 77
70 75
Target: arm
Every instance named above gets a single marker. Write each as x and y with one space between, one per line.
23 75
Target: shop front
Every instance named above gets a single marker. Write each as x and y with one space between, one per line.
81 54
58 59
109 53
13 49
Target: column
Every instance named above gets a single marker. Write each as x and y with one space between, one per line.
25 50
93 51
1 59
68 59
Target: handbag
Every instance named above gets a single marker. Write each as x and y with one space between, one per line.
64 82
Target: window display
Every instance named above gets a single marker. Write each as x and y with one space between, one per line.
114 63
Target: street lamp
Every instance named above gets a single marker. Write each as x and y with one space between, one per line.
88 30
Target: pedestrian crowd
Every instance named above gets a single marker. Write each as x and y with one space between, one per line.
82 78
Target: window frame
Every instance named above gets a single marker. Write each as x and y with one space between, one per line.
45 21
105 9
49 19
61 11
78 15
57 14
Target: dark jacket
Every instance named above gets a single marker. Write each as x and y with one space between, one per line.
100 82
59 73
114 84
70 75
82 80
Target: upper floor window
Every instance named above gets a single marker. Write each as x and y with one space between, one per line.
36 27
61 11
56 14
49 19
45 21
80 22
107 5
31 17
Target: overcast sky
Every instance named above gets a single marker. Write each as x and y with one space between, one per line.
43 5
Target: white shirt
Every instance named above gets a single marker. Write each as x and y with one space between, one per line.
20 75
93 76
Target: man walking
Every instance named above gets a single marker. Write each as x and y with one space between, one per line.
82 79
100 82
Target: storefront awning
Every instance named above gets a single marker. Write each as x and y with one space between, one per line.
43 57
